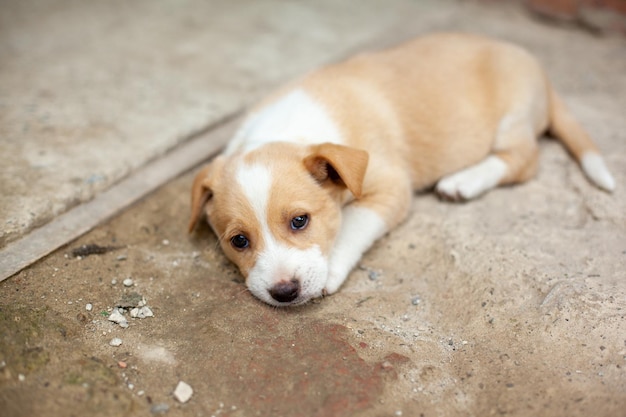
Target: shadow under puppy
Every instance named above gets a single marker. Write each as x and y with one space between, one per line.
327 165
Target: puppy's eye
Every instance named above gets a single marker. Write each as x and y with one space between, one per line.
299 222
239 242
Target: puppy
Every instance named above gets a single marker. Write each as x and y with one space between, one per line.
327 165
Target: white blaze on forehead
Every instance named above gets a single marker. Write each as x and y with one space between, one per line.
278 261
255 181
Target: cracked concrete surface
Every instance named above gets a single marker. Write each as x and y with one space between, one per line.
514 304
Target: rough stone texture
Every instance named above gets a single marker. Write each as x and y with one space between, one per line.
522 293
90 91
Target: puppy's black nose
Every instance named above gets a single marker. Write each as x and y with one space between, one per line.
285 291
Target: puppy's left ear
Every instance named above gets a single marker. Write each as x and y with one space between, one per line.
201 193
341 165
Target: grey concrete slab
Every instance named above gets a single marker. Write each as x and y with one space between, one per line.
91 91
82 218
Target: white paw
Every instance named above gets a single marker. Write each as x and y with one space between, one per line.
473 181
335 279
457 188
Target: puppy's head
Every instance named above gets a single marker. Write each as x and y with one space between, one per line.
277 210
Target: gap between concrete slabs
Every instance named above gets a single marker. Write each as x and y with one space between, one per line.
79 220
23 252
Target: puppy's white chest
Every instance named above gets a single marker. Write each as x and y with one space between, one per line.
295 117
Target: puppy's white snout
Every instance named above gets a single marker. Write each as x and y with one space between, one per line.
285 291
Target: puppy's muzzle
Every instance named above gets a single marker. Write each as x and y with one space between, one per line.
285 291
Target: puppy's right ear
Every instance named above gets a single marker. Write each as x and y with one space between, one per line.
201 193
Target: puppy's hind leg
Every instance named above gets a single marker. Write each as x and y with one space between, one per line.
512 160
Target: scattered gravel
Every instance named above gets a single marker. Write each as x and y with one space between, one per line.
141 313
116 341
183 392
133 303
117 317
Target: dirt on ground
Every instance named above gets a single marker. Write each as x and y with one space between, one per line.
513 304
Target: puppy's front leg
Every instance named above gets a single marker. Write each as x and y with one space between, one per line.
360 228
363 222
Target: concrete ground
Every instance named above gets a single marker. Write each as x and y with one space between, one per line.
513 304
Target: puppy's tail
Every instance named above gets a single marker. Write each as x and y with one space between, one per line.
577 141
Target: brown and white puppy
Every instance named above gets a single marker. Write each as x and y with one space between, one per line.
328 165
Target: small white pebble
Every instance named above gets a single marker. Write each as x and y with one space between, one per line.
117 317
183 392
113 281
398 413
140 393
128 282
21 377
145 312
89 307
131 386
165 242
116 341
